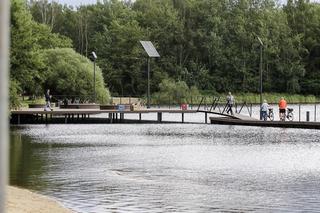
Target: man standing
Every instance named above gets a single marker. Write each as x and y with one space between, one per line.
230 102
282 109
264 110
48 101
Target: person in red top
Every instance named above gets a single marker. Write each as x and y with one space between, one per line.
282 109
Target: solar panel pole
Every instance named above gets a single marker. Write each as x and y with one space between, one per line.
4 76
152 53
261 83
148 101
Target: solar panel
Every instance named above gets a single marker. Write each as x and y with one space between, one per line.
150 49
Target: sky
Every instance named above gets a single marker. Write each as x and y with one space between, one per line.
81 2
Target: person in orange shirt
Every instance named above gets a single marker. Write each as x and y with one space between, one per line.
282 109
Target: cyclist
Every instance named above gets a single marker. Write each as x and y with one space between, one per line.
264 110
282 109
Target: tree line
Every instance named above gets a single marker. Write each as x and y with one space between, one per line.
41 59
211 45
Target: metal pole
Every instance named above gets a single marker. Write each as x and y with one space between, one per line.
94 80
148 101
315 112
4 85
260 81
299 112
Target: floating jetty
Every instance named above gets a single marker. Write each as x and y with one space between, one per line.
255 122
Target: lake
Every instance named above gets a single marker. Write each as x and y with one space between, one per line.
169 167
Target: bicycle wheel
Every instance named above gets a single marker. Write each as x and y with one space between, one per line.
271 116
290 116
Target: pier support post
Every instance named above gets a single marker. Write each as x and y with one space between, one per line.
46 118
315 112
65 119
140 117
299 112
18 119
206 117
159 117
182 117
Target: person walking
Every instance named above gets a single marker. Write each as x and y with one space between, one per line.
230 102
48 101
264 110
282 109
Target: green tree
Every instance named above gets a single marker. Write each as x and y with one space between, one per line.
70 74
25 59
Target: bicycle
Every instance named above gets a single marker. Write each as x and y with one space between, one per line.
270 114
288 115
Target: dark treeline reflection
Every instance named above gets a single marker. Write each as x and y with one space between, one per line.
27 162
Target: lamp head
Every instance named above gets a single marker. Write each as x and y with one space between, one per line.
260 41
94 55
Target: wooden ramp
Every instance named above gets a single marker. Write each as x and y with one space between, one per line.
235 116
258 123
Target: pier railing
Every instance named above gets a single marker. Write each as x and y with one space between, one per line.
303 111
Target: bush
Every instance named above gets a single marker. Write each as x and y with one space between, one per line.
175 92
14 91
71 74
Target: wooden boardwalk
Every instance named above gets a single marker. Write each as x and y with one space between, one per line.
39 115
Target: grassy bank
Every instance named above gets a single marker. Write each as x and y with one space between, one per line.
239 97
275 97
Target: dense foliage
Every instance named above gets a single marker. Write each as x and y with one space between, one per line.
72 74
210 44
207 45
31 44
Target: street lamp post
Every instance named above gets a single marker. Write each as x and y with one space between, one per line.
261 87
94 76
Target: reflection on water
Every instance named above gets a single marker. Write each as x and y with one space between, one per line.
167 168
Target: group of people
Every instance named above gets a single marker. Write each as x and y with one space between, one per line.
264 107
282 109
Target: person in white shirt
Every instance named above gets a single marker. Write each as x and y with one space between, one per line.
264 110
230 102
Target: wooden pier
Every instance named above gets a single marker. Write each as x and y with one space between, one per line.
84 116
27 116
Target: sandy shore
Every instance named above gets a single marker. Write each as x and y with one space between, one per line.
24 201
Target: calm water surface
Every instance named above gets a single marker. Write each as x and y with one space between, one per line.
169 167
